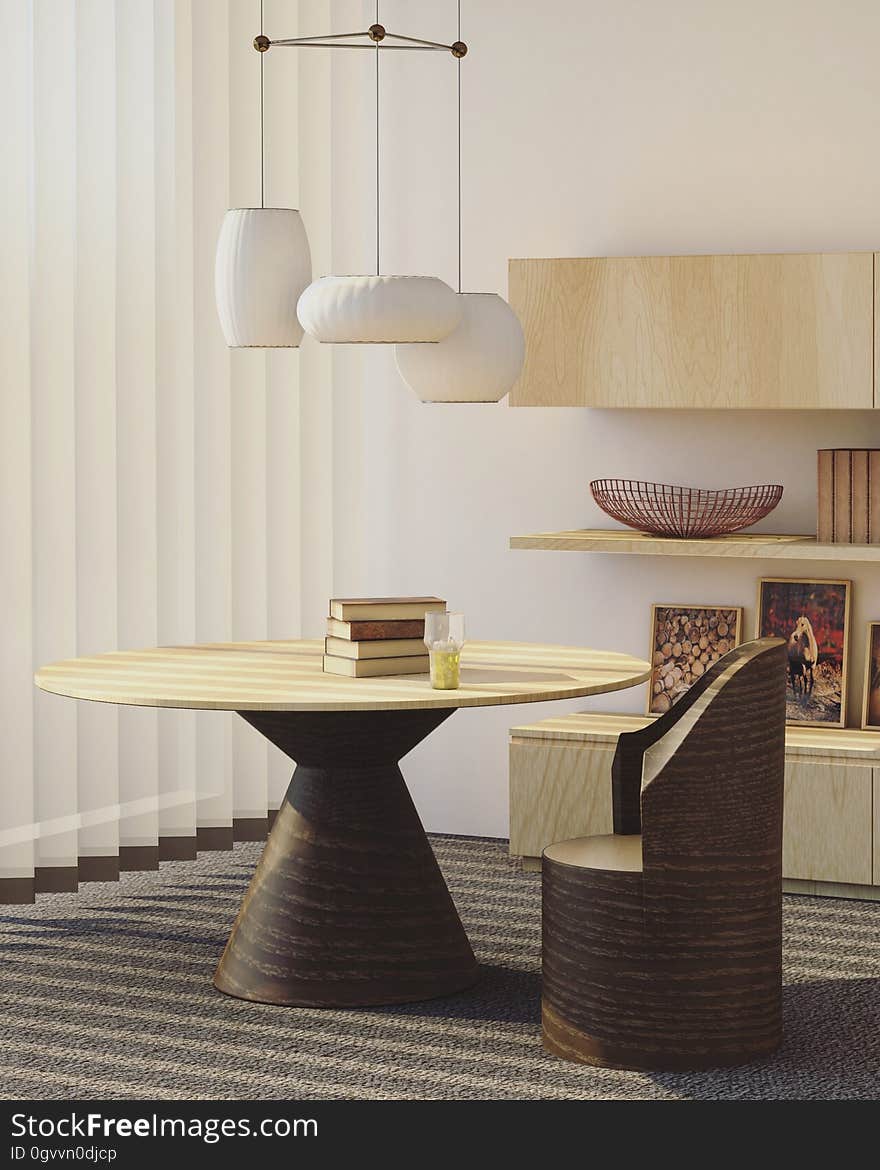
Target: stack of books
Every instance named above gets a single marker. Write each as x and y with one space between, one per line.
372 636
849 497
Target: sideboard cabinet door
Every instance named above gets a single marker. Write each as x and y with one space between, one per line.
557 791
827 834
786 331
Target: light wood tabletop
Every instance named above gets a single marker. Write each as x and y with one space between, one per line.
288 676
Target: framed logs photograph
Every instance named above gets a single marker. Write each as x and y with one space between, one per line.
813 618
871 702
685 641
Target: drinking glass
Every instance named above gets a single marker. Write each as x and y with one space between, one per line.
444 637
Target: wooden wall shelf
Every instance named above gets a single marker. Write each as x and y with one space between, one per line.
624 540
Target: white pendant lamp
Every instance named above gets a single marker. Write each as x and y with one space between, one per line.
263 268
478 362
262 265
483 357
379 309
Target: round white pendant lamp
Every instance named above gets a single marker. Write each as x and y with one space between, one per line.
482 359
478 362
263 264
379 309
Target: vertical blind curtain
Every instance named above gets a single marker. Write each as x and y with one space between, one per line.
150 482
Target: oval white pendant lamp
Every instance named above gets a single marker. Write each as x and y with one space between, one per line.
263 264
478 362
379 309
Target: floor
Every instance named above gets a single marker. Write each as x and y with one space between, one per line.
108 994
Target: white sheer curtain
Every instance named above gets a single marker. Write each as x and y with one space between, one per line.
151 480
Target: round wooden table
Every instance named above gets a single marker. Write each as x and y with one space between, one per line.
347 906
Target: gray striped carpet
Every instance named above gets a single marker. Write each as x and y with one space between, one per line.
107 994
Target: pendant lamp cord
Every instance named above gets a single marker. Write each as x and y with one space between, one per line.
459 151
262 150
378 216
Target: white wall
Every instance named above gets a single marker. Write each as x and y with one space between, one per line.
589 129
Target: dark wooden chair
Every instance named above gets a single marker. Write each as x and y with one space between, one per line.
662 943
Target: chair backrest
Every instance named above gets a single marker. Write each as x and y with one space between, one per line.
705 780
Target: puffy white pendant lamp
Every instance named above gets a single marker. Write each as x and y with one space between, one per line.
262 265
478 362
482 358
379 309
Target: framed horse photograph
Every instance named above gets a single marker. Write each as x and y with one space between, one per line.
871 701
813 618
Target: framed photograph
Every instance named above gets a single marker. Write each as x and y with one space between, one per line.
813 618
871 702
685 641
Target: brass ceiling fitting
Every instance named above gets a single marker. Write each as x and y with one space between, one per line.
376 34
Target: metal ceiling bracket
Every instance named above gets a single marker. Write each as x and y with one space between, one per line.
376 36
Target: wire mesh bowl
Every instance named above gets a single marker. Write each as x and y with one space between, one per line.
665 510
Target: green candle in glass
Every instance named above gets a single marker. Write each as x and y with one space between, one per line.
444 637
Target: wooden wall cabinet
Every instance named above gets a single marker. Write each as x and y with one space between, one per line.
789 331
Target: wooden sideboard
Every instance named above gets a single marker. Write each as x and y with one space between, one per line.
560 787
781 331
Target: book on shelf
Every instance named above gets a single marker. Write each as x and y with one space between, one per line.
848 503
843 496
366 631
350 609
376 667
389 648
825 498
859 504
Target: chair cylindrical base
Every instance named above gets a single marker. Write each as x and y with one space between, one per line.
633 987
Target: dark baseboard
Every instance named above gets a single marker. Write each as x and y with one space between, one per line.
214 839
16 891
138 857
99 869
56 879
177 848
273 813
250 828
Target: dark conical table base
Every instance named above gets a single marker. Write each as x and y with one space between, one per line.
347 906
